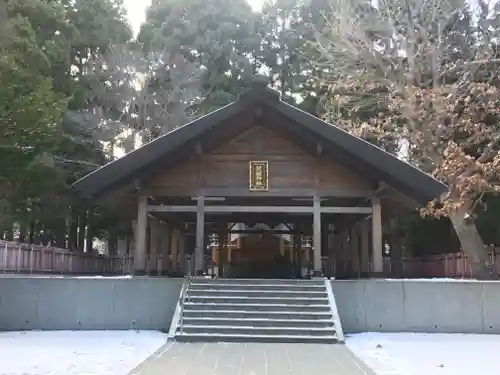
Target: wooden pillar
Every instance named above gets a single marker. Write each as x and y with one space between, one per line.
154 247
396 250
167 249
171 254
174 247
121 247
141 236
317 236
355 249
179 251
345 252
325 246
221 256
112 242
181 256
377 260
296 250
365 248
224 254
200 235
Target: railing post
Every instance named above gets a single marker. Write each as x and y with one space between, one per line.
52 260
18 259
5 258
30 258
42 262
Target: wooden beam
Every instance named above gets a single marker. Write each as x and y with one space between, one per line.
200 226
254 231
317 236
166 191
346 210
260 209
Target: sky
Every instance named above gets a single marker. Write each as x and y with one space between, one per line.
136 11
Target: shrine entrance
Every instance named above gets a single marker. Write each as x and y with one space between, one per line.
261 251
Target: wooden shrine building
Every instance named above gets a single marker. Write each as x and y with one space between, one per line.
259 188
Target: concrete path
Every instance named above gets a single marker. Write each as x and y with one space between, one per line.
252 359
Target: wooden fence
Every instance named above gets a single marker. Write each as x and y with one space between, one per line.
23 258
455 265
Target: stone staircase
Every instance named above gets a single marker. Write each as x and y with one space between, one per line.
258 310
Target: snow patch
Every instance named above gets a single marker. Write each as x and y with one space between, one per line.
437 280
429 354
41 276
76 353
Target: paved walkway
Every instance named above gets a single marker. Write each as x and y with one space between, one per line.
252 359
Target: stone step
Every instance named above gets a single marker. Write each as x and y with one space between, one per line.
246 330
252 314
210 337
259 322
297 301
268 287
203 280
256 293
279 306
257 310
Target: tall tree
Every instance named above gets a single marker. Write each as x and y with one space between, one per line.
286 29
54 104
419 78
30 108
217 35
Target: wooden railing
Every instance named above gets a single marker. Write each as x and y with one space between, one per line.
23 258
33 259
455 265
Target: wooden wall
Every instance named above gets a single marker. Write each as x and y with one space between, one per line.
290 167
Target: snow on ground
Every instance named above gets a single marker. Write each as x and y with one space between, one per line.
427 354
51 276
76 353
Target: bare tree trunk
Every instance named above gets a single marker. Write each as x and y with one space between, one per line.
473 245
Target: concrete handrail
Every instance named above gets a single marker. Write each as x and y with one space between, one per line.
335 312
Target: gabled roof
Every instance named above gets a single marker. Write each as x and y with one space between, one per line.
402 176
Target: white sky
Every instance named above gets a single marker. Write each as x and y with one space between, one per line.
136 11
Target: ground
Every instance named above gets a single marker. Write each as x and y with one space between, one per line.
121 353
429 354
253 359
76 353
